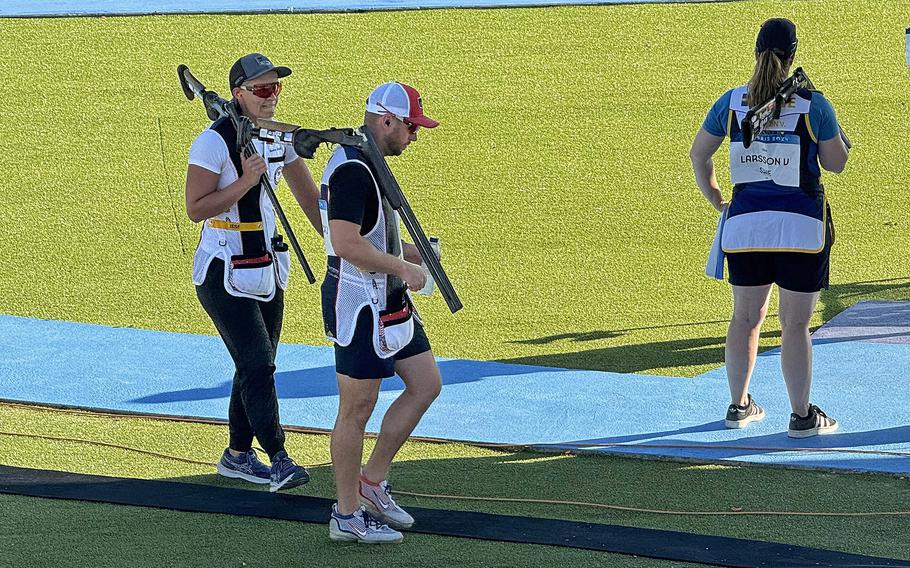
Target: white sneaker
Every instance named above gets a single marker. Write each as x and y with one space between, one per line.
377 498
360 527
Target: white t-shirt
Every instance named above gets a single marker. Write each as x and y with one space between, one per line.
209 151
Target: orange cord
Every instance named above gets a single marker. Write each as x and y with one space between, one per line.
498 499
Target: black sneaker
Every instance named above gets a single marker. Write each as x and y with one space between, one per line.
814 423
740 416
285 473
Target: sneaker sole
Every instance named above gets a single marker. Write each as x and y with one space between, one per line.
341 536
373 510
233 474
745 421
820 431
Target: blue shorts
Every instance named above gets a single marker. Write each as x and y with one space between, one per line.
359 360
794 271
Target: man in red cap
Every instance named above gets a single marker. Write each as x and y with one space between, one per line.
368 314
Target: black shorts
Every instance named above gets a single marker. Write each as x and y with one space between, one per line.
359 360
794 271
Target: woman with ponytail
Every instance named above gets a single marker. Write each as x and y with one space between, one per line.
777 226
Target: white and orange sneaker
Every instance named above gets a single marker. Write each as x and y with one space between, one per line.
377 499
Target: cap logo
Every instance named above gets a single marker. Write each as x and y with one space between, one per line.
263 60
419 103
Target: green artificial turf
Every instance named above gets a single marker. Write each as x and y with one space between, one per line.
114 536
559 180
451 469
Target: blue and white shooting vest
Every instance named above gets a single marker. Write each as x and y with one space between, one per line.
778 202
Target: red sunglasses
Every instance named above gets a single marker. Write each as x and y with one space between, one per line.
412 128
265 90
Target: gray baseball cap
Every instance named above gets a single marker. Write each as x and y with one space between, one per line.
251 66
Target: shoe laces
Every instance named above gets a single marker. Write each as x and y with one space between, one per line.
286 463
817 410
388 493
370 521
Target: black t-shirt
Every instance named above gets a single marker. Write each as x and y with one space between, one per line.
352 196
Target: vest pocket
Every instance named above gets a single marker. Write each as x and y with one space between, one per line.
393 331
252 274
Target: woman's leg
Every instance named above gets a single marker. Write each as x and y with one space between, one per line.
750 305
240 322
796 346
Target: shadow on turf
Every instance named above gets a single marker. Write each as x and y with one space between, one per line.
690 352
320 381
705 351
637 358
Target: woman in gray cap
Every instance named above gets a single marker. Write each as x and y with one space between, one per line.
777 227
241 265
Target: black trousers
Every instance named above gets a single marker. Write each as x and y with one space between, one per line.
250 330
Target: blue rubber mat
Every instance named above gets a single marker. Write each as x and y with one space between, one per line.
856 381
45 8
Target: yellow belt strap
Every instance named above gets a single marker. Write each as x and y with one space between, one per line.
232 226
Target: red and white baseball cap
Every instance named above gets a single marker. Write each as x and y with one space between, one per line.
402 101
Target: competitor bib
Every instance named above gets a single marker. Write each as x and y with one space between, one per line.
771 157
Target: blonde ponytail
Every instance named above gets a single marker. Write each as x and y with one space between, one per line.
768 75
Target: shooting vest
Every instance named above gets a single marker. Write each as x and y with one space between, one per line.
346 290
245 236
778 202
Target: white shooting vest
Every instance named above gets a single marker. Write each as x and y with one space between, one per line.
346 290
242 236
